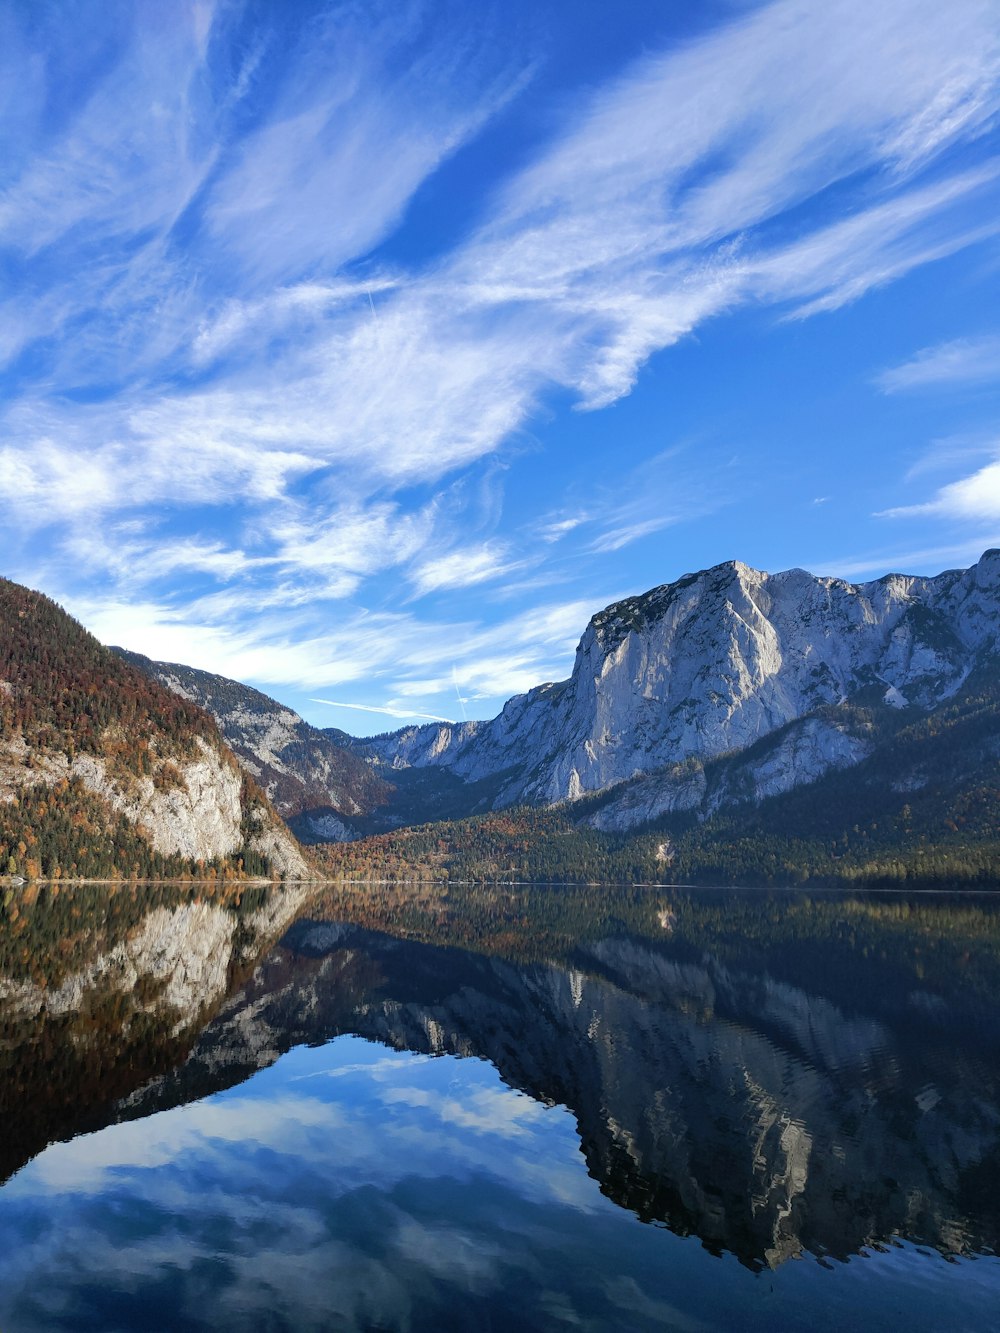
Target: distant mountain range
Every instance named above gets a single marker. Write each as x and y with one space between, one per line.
724 710
701 698
779 675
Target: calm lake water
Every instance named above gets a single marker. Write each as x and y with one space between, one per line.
496 1109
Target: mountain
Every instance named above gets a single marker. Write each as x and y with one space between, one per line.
311 776
787 677
767 727
103 772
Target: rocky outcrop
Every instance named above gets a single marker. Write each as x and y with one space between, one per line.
800 753
199 817
117 749
714 667
307 773
202 815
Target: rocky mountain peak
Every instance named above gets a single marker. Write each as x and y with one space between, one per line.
717 663
726 685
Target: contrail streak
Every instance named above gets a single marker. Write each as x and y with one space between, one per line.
373 708
461 701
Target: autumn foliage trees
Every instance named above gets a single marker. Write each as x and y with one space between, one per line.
64 695
60 689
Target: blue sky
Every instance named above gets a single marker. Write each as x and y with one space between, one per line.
361 351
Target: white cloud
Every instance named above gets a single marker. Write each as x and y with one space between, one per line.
284 1122
353 538
554 529
602 252
839 263
298 648
973 497
952 453
386 710
668 488
237 323
616 538
362 124
140 562
113 173
464 568
963 361
635 226
67 462
192 280
486 1110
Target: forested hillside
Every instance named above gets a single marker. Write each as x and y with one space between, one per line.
923 810
60 689
104 773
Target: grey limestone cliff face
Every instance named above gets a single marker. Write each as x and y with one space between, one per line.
200 814
302 769
200 817
710 666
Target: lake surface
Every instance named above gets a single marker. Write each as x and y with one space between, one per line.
564 1108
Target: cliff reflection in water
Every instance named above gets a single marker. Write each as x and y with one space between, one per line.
770 1073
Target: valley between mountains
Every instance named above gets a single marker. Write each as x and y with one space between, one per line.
732 726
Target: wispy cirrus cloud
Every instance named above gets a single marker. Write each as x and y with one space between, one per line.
963 361
396 654
334 166
385 710
205 339
638 224
900 560
666 489
465 568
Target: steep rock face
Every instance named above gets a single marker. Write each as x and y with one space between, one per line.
200 817
800 753
305 771
711 666
74 717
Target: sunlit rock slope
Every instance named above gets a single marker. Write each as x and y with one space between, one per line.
768 670
728 686
102 771
310 775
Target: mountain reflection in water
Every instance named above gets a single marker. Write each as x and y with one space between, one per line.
772 1074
